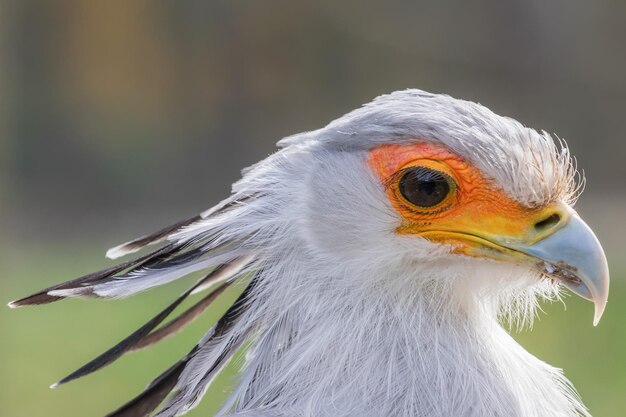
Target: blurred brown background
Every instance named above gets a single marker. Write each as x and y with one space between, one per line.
119 117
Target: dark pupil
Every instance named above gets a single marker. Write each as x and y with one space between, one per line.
424 187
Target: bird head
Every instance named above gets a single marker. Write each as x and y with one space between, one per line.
471 201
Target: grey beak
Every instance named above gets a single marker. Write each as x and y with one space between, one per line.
573 255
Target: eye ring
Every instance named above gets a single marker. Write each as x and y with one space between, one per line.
424 187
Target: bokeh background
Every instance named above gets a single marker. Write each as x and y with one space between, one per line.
119 117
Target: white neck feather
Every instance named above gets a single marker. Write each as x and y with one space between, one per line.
343 350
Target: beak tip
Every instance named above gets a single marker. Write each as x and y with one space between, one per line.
601 294
596 321
599 311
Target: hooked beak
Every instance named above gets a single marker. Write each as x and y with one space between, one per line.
573 255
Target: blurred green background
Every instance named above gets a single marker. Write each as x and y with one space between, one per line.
119 117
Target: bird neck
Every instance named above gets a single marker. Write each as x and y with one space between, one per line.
338 350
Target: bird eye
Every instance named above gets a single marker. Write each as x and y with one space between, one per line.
424 187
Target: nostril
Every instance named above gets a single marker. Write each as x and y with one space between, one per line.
548 222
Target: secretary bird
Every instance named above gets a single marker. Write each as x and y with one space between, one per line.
378 257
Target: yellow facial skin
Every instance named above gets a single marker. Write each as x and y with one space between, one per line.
476 218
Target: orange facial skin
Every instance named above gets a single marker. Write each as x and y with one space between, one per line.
476 218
